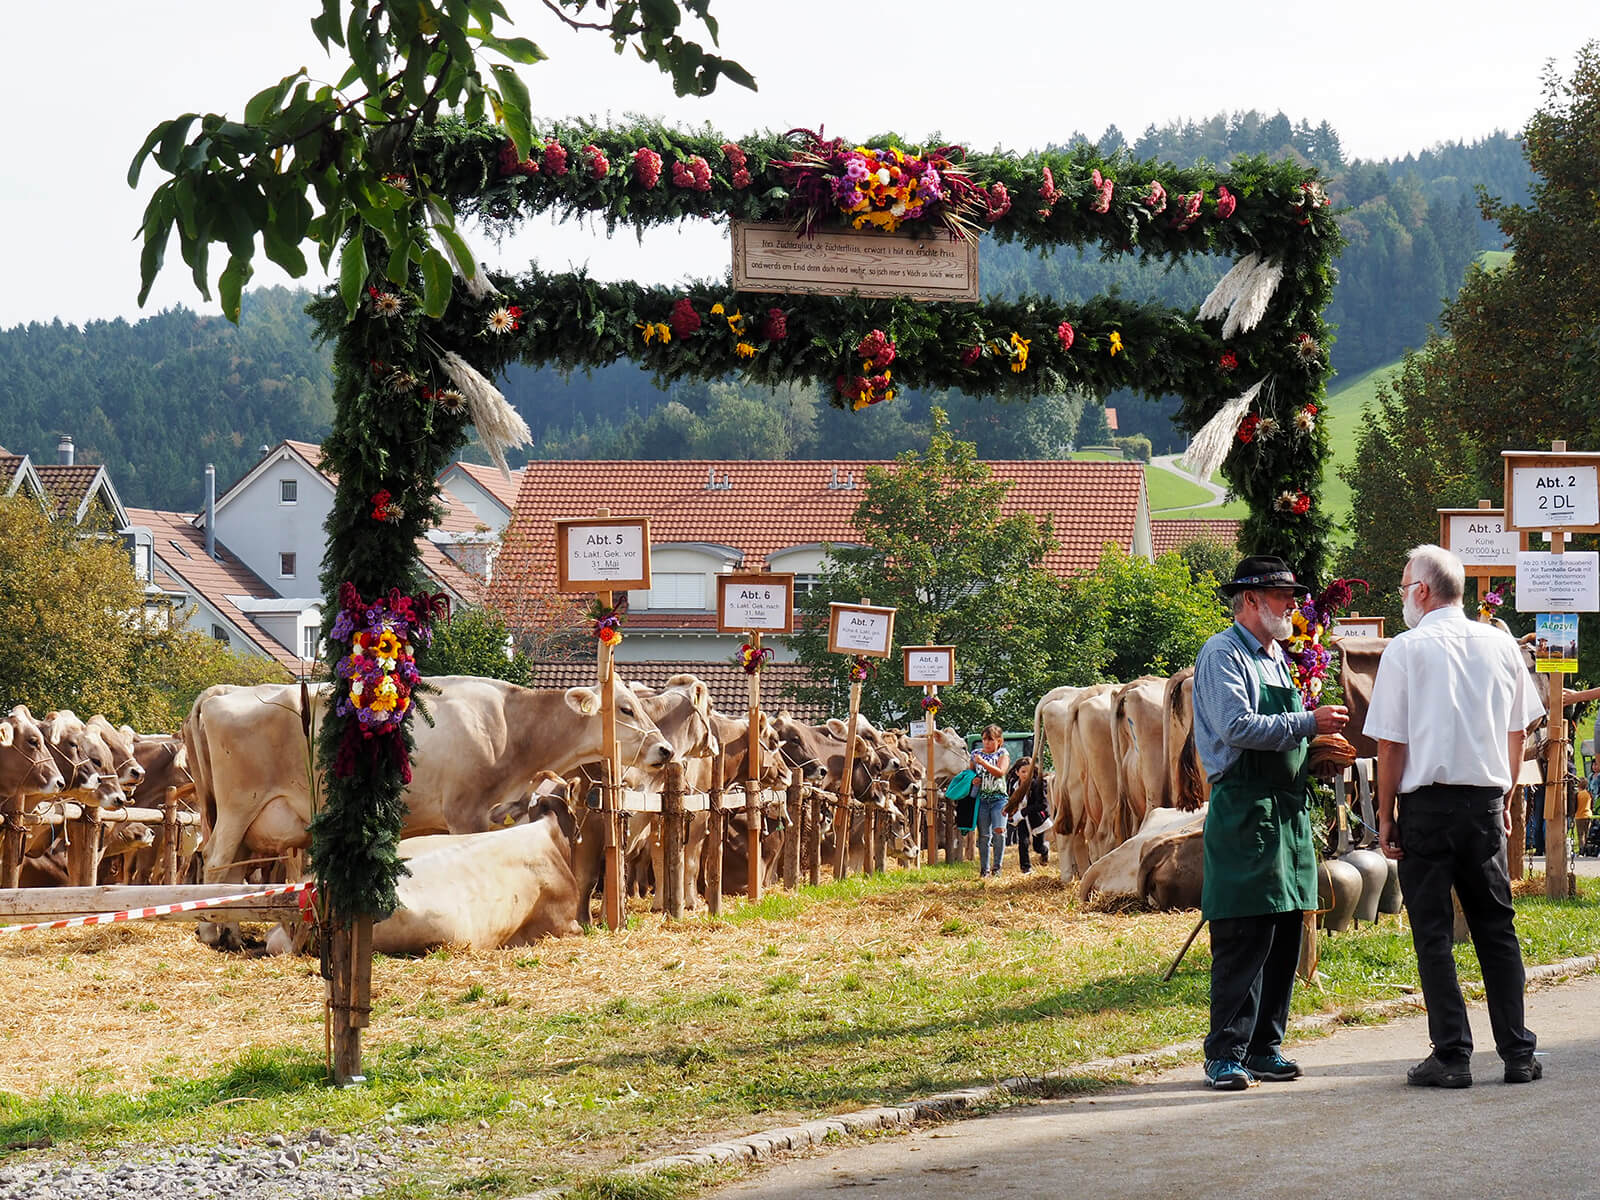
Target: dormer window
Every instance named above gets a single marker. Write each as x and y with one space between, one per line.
288 491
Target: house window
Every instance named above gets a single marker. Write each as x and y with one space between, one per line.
804 585
676 589
220 634
310 641
288 491
286 566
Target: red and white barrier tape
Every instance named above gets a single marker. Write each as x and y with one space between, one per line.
306 892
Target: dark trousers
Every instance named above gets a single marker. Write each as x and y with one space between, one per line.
1253 961
1020 832
1453 837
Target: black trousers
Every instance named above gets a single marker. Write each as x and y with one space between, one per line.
1253 961
1454 837
1020 832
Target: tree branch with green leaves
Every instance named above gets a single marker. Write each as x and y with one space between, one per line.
326 162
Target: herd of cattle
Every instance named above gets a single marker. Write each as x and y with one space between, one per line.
503 848
112 767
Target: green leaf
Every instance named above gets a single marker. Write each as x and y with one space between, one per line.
515 106
284 251
353 269
326 25
231 286
435 283
661 13
517 49
157 229
458 247
151 138
172 140
267 100
399 268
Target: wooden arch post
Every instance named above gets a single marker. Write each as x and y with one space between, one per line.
604 555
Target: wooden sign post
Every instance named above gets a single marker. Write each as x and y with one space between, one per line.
1355 625
605 554
932 667
1558 493
753 603
859 630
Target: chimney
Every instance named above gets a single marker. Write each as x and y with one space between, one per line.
711 479
211 511
263 451
64 451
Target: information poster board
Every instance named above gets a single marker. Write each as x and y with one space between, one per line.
755 603
1558 583
840 262
860 629
929 665
603 554
1556 643
1552 491
1480 539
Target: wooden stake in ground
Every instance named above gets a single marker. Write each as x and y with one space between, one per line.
841 816
930 786
611 782
349 985
752 793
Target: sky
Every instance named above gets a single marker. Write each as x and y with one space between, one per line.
87 81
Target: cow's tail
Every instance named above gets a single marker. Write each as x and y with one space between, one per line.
1063 826
198 762
1188 785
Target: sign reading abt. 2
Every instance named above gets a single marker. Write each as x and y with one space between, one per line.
1548 497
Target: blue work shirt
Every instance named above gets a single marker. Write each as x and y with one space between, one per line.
1227 696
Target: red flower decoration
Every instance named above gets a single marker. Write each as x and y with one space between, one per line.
1247 428
734 155
383 507
877 349
684 320
1226 202
1229 360
1301 505
510 164
971 355
595 161
776 326
1065 335
555 158
647 167
999 201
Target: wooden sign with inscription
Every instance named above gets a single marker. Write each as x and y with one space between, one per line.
860 629
1552 490
1355 625
755 603
837 262
1481 539
929 664
603 554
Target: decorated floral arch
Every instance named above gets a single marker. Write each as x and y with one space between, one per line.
1249 365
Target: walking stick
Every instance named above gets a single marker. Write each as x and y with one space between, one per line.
1193 933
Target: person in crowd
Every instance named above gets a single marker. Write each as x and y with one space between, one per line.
1028 810
1449 711
991 760
1252 730
1533 821
1583 815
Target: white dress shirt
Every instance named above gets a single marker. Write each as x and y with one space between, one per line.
1451 690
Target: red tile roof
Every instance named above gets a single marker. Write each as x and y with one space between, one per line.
497 485
1169 535
769 506
215 579
728 684
312 453
67 486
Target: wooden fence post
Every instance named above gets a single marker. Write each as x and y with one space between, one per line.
814 802
11 843
711 857
847 789
83 843
880 828
169 830
349 995
672 861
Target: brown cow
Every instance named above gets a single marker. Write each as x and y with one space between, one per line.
1171 870
120 739
1187 785
26 765
1139 741
83 756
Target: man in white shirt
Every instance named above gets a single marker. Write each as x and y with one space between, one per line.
1449 710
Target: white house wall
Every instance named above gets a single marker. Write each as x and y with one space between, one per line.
477 499
257 527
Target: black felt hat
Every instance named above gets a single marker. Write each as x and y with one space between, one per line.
1261 571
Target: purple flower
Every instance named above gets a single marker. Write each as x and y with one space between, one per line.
343 626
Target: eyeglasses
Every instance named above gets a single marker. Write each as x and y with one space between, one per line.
1402 588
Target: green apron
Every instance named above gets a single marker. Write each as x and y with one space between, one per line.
1259 856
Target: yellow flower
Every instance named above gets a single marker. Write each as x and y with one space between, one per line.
388 645
745 350
658 329
1116 343
717 310
736 323
1019 353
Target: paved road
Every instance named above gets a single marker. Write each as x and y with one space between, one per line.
1350 1127
1169 462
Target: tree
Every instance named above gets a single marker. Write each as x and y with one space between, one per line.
476 641
1517 366
72 633
1093 428
1137 617
323 162
936 548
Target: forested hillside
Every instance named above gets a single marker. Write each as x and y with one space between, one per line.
159 399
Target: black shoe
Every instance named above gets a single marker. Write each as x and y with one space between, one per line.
1433 1071
1524 1070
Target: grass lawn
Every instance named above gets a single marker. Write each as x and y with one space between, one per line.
1167 490
585 1053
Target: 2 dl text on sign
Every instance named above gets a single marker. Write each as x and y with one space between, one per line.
1552 490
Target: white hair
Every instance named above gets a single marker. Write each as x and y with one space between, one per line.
1440 570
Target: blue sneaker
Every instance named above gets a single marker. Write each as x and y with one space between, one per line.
1273 1067
1226 1075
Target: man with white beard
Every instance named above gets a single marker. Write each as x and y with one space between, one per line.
1251 730
1449 709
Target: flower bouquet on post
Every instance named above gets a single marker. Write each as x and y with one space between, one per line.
884 187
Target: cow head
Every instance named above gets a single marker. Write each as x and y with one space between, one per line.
26 764
120 741
83 756
682 711
643 749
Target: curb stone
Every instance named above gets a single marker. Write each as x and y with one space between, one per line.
759 1146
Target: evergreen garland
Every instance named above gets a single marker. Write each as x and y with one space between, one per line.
400 420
